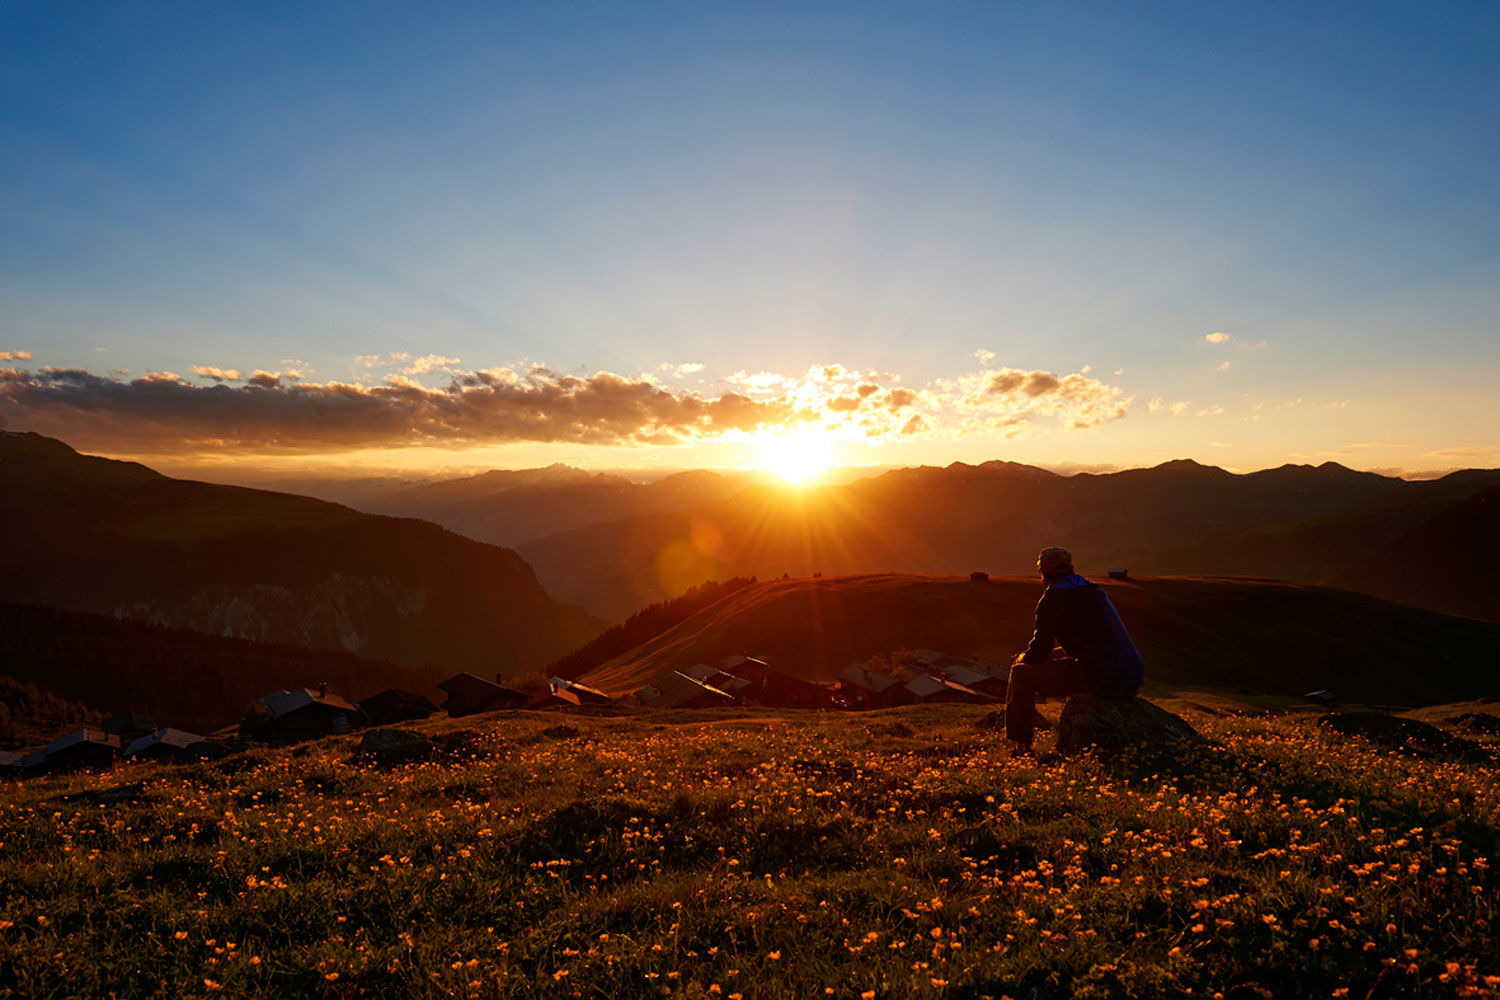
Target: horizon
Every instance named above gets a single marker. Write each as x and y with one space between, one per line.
243 474
778 238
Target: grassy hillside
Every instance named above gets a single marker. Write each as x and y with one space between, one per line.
89 534
746 855
1259 635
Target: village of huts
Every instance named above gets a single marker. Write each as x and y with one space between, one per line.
280 716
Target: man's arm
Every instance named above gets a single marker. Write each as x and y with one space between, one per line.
1044 633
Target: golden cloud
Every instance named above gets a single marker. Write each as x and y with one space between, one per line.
281 410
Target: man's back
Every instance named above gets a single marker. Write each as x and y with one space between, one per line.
1077 615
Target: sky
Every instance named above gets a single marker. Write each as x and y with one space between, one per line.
445 236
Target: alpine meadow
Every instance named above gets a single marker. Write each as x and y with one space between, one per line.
967 501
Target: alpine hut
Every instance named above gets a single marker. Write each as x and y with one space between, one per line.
300 714
468 694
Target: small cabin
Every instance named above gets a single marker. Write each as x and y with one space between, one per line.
468 694
678 690
1119 574
979 576
395 705
165 743
301 714
82 748
778 689
858 687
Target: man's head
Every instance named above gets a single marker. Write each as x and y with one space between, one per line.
1054 562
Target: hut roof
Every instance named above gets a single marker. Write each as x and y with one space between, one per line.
166 736
577 693
279 704
79 737
870 680
397 702
926 686
677 689
966 675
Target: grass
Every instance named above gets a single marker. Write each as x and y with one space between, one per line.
758 854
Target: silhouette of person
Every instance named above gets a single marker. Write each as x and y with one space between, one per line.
1097 656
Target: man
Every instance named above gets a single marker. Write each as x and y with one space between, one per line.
1098 656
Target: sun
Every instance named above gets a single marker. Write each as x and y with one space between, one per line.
798 456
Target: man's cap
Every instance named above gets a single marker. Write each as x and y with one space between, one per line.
1054 560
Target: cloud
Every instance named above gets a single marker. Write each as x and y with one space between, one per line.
1217 338
1011 395
381 360
217 374
429 363
1175 409
429 402
1222 366
273 410
680 371
15 355
983 357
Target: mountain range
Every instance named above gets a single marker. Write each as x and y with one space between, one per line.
97 535
1327 524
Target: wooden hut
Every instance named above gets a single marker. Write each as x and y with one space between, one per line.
396 705
678 690
300 714
859 687
468 694
165 743
780 689
82 748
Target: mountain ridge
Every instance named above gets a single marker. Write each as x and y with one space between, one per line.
120 539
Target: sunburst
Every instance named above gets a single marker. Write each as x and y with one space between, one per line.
799 456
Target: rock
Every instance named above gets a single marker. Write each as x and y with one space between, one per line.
1089 720
1400 734
394 747
1474 722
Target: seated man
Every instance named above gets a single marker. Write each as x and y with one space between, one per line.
1099 657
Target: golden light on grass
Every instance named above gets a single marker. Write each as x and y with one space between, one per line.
798 456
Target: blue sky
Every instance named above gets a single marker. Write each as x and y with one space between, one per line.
1088 190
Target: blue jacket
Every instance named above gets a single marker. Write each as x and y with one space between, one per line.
1078 616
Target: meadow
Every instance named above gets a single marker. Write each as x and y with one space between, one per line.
761 854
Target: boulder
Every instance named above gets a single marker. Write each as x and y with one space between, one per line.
1089 720
394 747
1408 735
1480 725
